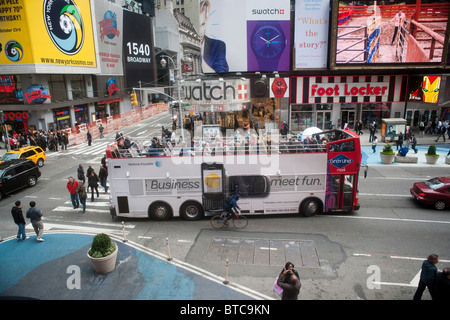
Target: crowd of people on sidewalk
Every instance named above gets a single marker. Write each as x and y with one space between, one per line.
51 140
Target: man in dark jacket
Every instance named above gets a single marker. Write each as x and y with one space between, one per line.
291 289
427 277
35 215
16 212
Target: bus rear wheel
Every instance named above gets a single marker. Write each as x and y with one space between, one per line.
160 211
310 207
191 211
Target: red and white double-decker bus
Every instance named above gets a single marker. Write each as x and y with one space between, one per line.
319 174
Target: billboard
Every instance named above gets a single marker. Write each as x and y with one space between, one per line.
312 21
109 25
245 35
138 50
47 36
424 88
395 33
348 89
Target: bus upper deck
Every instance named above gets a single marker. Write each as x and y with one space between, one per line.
334 140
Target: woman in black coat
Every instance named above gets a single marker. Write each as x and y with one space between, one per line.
93 184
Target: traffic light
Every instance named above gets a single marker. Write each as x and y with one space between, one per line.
134 101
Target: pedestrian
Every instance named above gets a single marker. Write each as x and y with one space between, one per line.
17 214
88 173
398 21
93 184
72 185
372 131
100 129
400 140
80 173
427 277
291 289
82 194
413 143
421 128
443 285
89 138
374 144
441 132
35 215
103 175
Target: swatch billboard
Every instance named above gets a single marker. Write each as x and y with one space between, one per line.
245 35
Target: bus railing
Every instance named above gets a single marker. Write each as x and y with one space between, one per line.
339 142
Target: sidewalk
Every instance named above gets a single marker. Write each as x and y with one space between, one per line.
371 158
51 270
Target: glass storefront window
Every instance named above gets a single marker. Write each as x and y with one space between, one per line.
374 112
302 117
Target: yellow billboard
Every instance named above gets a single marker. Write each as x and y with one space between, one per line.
47 36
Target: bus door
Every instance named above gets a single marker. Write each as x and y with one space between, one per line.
213 187
341 192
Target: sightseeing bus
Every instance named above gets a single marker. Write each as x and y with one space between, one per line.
315 175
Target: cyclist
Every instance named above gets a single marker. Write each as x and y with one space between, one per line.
231 206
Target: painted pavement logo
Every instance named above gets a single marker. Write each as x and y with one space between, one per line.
64 25
340 161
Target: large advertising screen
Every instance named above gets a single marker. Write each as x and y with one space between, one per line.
424 88
312 22
47 36
245 35
389 33
138 50
109 24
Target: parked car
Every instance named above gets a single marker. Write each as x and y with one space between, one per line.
16 174
32 152
434 192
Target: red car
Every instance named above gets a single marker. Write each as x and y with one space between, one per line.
434 192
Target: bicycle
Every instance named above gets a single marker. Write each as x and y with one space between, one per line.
220 221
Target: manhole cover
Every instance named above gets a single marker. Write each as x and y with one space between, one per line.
271 252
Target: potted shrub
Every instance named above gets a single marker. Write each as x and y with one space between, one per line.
431 155
103 253
387 155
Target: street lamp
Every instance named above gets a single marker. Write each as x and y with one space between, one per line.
163 64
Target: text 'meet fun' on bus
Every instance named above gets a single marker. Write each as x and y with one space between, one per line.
272 174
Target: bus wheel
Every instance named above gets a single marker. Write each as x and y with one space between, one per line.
310 207
160 211
191 211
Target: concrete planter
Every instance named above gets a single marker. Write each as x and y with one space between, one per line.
447 159
431 159
106 264
387 158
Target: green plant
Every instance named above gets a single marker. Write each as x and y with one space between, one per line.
102 246
388 150
432 151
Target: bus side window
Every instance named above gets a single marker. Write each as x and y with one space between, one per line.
249 186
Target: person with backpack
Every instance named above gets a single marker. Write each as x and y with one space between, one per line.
82 195
231 206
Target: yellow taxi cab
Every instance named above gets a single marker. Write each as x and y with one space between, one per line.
31 152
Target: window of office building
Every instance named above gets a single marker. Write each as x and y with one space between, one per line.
57 87
78 86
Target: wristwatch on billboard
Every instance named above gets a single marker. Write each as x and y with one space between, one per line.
279 87
268 42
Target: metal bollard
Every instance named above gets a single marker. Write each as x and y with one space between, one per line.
169 258
226 274
123 231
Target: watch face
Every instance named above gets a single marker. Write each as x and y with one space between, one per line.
279 87
268 42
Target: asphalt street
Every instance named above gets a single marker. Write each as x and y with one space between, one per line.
372 254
